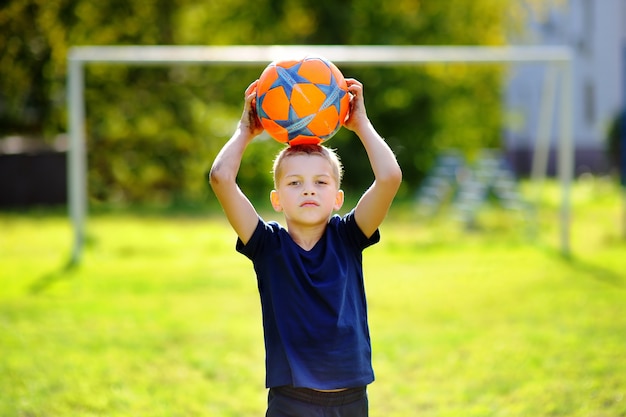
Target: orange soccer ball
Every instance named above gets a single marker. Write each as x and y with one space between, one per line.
302 101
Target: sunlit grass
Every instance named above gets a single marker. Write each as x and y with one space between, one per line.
162 317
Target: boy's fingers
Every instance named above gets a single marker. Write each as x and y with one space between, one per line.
251 88
250 98
355 90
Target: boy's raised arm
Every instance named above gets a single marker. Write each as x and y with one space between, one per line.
375 202
239 210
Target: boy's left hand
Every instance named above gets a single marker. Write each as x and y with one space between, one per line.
357 115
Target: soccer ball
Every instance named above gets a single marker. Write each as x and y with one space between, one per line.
302 101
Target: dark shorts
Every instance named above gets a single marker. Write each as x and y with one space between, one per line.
303 402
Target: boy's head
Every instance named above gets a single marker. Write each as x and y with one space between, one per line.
307 180
308 149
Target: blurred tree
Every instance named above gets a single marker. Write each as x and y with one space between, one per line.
25 54
154 131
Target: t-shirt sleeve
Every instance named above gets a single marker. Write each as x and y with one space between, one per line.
254 244
355 233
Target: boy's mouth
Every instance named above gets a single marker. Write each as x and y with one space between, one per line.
309 203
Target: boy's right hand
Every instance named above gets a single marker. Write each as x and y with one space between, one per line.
250 121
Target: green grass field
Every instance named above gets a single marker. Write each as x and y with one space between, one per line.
162 317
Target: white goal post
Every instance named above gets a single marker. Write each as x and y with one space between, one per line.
558 58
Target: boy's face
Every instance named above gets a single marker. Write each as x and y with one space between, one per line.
307 192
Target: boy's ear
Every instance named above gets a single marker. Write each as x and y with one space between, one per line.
275 200
339 198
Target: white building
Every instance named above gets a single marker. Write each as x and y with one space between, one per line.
596 31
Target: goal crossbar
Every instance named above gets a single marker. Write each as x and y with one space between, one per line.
560 58
354 55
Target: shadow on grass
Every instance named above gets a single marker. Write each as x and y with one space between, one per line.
597 272
46 281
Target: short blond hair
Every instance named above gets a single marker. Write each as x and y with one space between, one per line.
308 149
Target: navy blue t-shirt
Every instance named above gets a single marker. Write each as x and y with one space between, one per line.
314 308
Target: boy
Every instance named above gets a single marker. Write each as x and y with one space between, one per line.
310 275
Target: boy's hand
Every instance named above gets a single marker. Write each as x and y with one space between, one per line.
250 122
357 116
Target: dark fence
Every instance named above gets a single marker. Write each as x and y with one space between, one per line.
32 174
